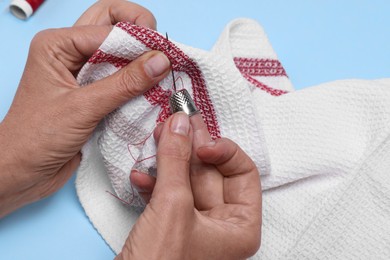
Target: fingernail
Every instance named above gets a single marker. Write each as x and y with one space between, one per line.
157 65
180 123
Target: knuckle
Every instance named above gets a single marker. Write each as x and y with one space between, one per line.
150 17
175 199
176 149
148 14
252 240
41 38
236 158
37 39
252 245
132 82
246 247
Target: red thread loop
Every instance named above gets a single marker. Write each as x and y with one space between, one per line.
35 3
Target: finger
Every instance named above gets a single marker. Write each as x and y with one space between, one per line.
127 83
242 181
157 132
68 47
173 157
143 183
109 12
206 181
201 134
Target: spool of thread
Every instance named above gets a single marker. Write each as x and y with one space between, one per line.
23 9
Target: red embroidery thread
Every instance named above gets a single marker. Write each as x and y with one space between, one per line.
122 200
158 96
137 160
250 67
260 67
180 62
99 57
262 86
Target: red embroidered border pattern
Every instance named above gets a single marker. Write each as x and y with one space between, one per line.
262 86
99 57
250 67
260 67
158 96
180 62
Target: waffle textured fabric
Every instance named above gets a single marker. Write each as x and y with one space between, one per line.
323 152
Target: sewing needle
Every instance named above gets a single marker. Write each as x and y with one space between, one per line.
173 75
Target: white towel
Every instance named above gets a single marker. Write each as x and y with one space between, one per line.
322 152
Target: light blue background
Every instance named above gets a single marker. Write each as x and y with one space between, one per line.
316 41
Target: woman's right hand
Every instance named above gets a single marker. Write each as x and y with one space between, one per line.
216 216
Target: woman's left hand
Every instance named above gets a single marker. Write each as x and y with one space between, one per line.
52 116
109 12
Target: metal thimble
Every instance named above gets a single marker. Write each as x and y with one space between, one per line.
182 101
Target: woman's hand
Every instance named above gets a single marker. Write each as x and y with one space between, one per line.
109 12
51 116
181 222
205 178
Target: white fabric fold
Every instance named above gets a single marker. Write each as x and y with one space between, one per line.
328 194
323 152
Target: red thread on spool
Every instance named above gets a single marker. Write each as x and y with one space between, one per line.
23 9
35 3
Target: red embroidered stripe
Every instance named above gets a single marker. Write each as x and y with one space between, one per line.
260 67
99 57
262 86
250 67
158 96
180 62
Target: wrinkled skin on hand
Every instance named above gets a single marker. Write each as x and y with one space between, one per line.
205 202
52 117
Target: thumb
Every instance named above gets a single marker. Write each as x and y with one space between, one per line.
138 76
173 160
